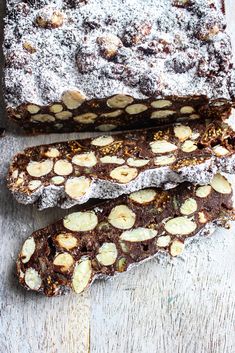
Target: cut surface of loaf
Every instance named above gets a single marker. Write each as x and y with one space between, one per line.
69 173
99 64
112 237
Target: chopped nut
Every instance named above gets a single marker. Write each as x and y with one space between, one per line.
221 185
161 103
194 117
180 226
138 234
43 118
77 187
109 45
195 135
107 254
132 162
124 174
32 279
189 146
15 174
67 241
203 191
29 48
73 99
164 160
162 146
163 241
65 115
57 180
136 109
124 247
220 151
102 141
143 196
63 167
122 217
160 114
187 110
122 264
81 275
81 221
87 159
119 101
56 20
202 218
182 132
56 108
65 261
27 250
87 118
113 114
112 160
34 184
52 152
33 109
39 169
188 207
177 247
106 127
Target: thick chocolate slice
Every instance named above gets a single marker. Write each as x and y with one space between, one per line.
111 237
70 173
98 64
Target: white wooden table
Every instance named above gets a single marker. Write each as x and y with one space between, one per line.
184 305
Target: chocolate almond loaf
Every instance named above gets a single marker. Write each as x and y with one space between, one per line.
100 65
68 173
112 237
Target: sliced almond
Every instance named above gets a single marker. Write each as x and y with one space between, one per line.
107 254
220 151
28 250
65 115
132 162
52 152
32 279
187 110
85 159
34 184
57 180
33 109
162 146
15 174
163 241
143 196
177 247
138 234
182 132
39 169
180 226
136 108
189 146
73 99
43 118
195 135
65 261
113 114
124 174
63 167
202 218
106 127
164 160
81 275
87 118
160 114
161 103
67 241
194 117
56 108
119 101
122 217
122 264
203 191
77 187
102 141
81 221
112 160
188 207
221 185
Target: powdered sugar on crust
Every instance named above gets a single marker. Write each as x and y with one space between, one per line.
164 49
